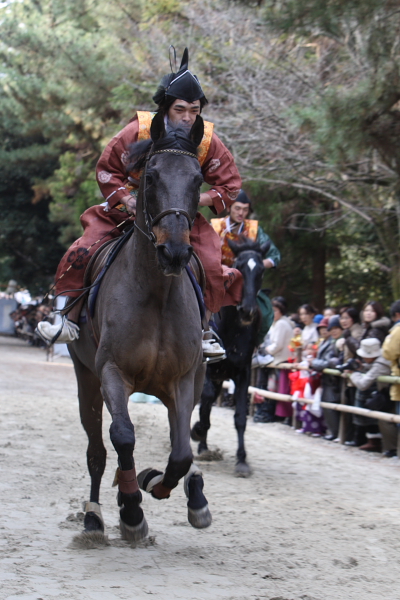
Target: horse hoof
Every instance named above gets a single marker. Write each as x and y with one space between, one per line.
242 469
196 435
199 518
93 522
199 515
134 534
202 448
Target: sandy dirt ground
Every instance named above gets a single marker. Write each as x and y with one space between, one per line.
316 521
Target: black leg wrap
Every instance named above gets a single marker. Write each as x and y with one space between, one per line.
196 497
93 523
130 513
175 471
122 436
143 483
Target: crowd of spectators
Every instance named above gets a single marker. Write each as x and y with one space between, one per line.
363 345
28 312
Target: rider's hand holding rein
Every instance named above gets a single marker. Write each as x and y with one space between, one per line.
130 204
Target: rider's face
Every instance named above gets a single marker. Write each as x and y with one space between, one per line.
238 212
185 113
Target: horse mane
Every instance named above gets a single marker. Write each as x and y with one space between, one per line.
177 137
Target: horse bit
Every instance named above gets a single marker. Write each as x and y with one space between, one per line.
149 221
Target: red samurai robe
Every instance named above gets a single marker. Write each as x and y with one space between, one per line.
224 284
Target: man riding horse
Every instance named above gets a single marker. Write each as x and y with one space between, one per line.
180 99
236 224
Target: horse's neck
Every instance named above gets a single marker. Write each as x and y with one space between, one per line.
141 267
230 327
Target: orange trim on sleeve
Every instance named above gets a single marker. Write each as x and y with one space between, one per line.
145 118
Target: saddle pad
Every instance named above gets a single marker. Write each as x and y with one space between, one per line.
98 260
100 263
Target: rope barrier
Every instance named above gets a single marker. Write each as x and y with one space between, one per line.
290 367
339 407
373 414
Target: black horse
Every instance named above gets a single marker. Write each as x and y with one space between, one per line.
239 327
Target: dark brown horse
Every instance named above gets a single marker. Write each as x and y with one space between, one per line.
148 330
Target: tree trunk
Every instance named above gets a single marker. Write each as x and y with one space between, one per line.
396 279
318 273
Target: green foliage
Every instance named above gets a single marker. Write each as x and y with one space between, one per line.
332 17
73 73
29 250
152 10
73 180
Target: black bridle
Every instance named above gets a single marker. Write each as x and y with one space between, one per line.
149 221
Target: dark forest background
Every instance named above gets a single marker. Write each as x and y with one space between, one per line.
305 93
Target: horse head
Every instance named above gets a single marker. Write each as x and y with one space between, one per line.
169 190
249 261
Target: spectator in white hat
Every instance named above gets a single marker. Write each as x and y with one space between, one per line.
365 379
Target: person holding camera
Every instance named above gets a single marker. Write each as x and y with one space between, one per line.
352 334
373 395
328 357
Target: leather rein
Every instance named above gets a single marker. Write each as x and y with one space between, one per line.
151 222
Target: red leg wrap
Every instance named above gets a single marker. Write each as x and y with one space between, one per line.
127 482
160 491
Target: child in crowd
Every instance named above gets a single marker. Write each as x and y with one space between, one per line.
307 385
296 344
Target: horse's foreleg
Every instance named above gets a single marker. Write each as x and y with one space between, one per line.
180 463
91 409
242 382
122 434
199 430
180 409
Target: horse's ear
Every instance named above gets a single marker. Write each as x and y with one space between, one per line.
234 247
197 131
157 129
265 247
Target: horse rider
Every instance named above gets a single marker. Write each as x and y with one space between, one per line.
236 224
180 98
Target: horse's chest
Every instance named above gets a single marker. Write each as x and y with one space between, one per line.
155 359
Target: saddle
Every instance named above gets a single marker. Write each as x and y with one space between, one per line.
103 258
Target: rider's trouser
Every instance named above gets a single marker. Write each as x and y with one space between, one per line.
223 286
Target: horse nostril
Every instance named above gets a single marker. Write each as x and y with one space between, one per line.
188 253
167 253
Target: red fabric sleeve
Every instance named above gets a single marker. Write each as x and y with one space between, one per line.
219 171
111 169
